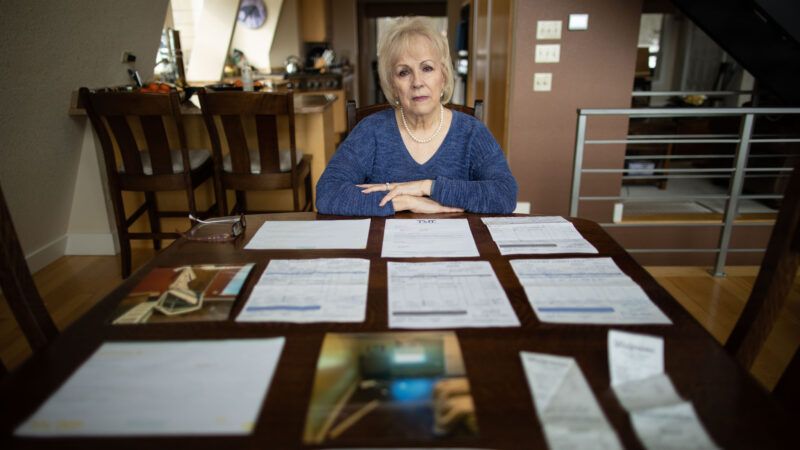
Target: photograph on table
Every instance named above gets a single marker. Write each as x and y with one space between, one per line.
405 385
200 292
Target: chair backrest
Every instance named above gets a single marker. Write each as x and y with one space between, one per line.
773 283
113 116
232 109
355 114
18 288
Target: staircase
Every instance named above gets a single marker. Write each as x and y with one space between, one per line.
761 35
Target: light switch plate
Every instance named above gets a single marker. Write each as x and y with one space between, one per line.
547 53
578 22
542 82
548 29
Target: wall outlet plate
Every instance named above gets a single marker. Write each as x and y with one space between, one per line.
542 82
128 57
547 53
578 22
548 29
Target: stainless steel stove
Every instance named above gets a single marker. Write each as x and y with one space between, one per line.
312 81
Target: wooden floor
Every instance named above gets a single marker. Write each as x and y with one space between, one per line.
73 284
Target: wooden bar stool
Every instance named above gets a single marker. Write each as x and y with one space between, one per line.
19 290
155 167
268 167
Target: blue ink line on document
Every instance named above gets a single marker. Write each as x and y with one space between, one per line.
284 308
577 309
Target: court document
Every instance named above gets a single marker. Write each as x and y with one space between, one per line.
660 417
564 402
449 294
162 388
536 235
422 238
310 235
309 290
584 290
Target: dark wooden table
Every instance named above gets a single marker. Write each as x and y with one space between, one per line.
736 411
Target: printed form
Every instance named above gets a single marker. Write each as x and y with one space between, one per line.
309 290
536 235
422 238
310 235
660 417
564 402
584 290
151 388
447 295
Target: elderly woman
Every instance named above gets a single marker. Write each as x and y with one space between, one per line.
418 156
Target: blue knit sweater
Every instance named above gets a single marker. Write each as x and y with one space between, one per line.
469 169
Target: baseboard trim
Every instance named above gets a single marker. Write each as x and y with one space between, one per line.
43 256
523 208
90 244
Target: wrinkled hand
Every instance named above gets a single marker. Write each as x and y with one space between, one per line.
453 405
419 188
422 205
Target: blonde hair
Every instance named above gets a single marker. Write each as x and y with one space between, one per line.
397 39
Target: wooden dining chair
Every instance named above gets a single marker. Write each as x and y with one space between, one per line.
355 114
227 114
771 291
153 167
18 288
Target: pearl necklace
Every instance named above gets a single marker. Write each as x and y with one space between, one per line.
435 133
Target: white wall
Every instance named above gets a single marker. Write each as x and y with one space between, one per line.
256 44
214 29
49 49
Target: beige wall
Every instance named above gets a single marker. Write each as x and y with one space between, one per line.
596 71
344 36
48 50
287 35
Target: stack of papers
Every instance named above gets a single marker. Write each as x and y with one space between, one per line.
447 295
162 388
660 417
566 407
310 235
309 290
584 290
422 238
536 235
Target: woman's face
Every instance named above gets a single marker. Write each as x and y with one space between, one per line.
418 79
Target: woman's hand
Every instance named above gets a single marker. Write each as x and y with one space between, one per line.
422 205
419 188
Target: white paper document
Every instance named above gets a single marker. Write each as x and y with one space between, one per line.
447 295
564 402
162 388
536 235
309 290
660 417
423 238
584 290
310 235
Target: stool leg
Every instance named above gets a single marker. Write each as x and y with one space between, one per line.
122 230
241 203
152 214
125 254
309 193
